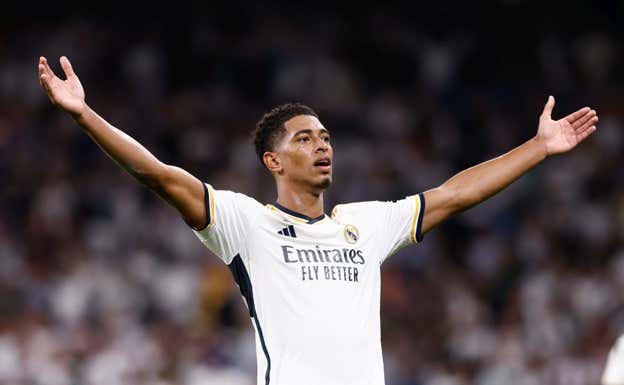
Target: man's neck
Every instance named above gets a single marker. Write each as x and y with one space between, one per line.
302 202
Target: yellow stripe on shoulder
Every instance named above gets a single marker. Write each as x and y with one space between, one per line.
335 211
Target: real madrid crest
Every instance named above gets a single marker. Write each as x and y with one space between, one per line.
351 234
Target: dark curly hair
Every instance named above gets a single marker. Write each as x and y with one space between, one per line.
271 127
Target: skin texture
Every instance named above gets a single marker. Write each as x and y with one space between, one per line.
300 183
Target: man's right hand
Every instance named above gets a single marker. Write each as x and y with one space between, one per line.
67 94
175 185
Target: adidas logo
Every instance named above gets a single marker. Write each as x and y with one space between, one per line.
288 231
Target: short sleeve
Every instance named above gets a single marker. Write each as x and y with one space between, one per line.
393 224
402 222
228 217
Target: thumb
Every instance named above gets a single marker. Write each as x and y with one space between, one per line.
550 104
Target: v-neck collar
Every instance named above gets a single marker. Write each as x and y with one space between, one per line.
309 220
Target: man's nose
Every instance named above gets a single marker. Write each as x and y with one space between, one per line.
322 145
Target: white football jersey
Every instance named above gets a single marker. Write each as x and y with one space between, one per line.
614 370
312 285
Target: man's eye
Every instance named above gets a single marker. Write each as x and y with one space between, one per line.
303 139
326 139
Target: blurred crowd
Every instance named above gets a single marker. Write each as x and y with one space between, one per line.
101 283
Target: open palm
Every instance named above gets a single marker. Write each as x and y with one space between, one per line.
564 134
68 94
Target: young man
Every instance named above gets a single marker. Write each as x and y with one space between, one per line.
311 281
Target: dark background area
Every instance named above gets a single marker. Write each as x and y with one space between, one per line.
102 283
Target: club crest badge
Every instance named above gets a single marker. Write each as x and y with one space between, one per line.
351 234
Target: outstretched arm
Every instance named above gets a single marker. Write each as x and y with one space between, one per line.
176 186
480 182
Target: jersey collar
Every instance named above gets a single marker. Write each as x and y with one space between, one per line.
309 220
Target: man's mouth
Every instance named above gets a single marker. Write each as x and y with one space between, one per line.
324 164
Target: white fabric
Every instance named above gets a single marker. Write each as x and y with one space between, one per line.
614 370
316 295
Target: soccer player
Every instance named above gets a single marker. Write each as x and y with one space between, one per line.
614 370
311 281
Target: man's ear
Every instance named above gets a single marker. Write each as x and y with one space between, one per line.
272 161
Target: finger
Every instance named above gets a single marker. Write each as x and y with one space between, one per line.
576 115
586 125
44 80
589 115
42 65
47 68
41 74
67 67
550 104
42 70
583 135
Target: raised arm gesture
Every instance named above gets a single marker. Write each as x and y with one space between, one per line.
176 186
480 182
67 94
559 136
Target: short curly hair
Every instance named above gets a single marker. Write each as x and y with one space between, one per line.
271 127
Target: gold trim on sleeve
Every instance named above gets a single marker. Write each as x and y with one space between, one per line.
415 218
213 213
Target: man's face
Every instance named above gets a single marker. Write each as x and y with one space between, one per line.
305 152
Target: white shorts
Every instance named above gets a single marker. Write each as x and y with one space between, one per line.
614 370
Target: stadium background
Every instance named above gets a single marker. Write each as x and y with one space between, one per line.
102 283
